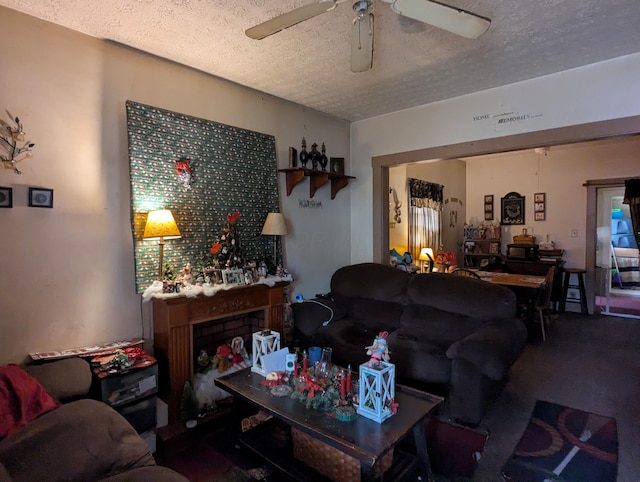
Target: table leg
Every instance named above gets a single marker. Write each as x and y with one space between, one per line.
420 439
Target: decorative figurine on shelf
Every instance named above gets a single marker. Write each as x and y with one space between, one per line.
204 362
304 155
222 358
239 355
186 275
379 351
315 156
323 158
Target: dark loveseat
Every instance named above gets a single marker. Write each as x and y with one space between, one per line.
445 331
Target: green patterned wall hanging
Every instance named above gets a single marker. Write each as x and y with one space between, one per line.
232 169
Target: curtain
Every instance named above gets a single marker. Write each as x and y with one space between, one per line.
632 198
425 216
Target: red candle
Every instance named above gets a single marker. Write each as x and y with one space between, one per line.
349 377
305 363
343 384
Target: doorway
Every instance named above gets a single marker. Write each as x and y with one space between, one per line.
616 289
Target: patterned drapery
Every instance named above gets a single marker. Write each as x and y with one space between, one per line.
425 194
425 219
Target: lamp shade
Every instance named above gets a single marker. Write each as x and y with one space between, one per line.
275 225
426 254
160 224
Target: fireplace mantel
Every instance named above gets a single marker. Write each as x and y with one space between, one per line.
173 320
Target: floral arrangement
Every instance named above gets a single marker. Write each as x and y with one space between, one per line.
9 138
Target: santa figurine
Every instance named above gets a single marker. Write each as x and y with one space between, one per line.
379 351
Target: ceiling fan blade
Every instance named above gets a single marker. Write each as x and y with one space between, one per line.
446 17
289 19
362 44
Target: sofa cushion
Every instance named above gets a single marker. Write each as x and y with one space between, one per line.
371 281
427 322
419 359
374 314
474 298
65 380
82 440
22 399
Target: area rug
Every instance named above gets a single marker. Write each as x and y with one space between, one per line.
454 450
565 444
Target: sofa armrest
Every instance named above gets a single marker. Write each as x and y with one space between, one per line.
309 316
493 348
65 380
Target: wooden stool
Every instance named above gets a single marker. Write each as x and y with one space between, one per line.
565 288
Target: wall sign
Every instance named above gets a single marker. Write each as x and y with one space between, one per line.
512 208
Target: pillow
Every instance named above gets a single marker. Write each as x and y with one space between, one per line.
22 399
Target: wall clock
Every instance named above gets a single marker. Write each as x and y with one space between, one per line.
512 208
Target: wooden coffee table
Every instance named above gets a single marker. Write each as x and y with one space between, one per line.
363 439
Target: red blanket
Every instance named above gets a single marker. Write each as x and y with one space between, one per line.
22 399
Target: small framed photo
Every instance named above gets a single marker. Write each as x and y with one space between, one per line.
337 165
40 197
537 207
6 197
233 277
538 197
539 216
488 207
293 157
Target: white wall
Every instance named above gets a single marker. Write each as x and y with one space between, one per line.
68 272
607 90
560 174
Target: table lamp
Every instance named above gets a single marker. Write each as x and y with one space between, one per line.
275 226
426 254
161 225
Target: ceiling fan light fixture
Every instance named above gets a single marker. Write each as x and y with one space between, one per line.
362 43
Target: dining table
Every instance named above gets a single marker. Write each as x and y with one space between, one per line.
525 286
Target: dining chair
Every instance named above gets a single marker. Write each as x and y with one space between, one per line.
544 300
466 272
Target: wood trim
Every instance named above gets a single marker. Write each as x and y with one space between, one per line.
549 137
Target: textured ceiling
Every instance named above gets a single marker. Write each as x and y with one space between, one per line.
309 63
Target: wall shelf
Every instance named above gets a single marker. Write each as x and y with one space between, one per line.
317 179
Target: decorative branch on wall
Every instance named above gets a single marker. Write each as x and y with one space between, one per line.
230 169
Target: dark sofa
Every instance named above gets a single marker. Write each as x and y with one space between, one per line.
445 331
71 438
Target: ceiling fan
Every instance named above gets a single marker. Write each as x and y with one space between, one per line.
445 17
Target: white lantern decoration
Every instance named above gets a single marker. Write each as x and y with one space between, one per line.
377 390
263 343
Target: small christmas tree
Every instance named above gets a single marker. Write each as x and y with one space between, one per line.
226 249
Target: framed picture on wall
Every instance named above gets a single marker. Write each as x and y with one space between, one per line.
40 197
512 208
336 165
539 207
488 207
6 197
293 157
